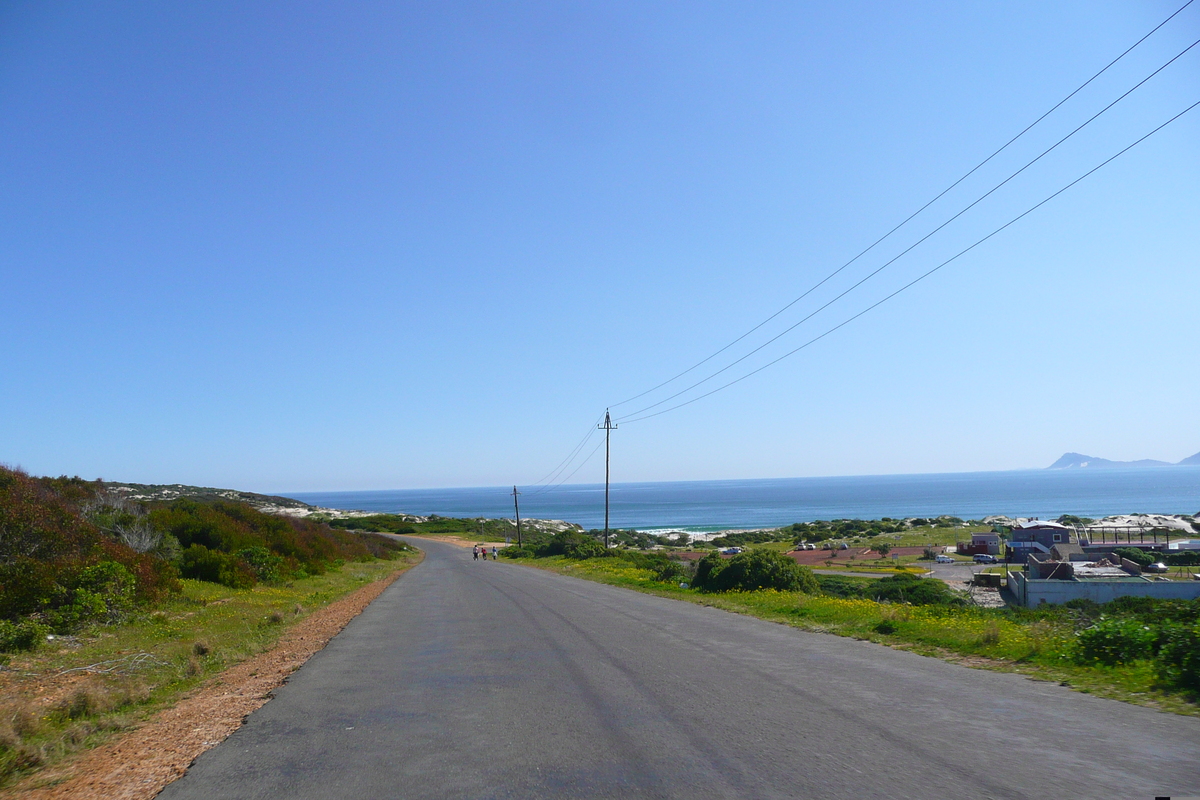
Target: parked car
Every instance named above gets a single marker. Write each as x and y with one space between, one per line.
731 551
944 559
1159 567
984 558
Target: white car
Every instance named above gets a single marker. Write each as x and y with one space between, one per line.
944 559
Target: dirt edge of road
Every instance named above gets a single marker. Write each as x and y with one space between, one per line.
138 764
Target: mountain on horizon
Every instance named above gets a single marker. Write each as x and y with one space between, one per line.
1080 461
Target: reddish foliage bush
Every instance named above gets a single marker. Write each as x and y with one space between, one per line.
45 545
231 528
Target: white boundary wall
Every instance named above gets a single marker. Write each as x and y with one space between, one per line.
1035 592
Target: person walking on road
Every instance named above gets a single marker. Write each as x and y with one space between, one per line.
475 553
493 552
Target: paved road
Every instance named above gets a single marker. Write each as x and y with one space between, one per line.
473 680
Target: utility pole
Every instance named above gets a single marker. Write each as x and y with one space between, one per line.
517 509
608 428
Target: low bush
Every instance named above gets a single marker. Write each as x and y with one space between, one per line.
1184 558
1179 656
202 564
572 544
384 523
24 635
672 572
1116 640
1136 555
839 586
756 569
266 565
383 547
914 590
49 552
707 570
516 552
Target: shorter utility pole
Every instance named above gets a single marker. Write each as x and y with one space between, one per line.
517 510
608 428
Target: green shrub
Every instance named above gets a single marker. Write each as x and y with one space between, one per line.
24 635
1179 656
1116 640
1136 555
757 569
672 572
266 565
914 590
839 586
707 570
1184 558
202 564
385 523
572 544
102 593
516 552
583 547
1153 611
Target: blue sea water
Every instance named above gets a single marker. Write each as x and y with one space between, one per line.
700 506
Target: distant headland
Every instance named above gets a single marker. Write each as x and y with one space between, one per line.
1080 461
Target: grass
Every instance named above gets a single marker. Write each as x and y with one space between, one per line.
1037 643
153 660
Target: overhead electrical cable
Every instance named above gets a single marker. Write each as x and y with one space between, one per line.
545 489
920 277
592 429
571 456
910 217
908 249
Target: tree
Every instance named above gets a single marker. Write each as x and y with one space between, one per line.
883 548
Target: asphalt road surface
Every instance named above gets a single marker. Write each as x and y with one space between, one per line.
481 680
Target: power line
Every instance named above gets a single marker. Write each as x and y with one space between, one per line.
906 220
920 277
551 477
912 246
548 488
570 457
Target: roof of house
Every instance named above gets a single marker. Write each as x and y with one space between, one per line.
1037 523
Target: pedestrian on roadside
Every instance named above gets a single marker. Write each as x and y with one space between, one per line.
475 553
493 552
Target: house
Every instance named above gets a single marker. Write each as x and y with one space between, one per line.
988 543
1035 536
1048 580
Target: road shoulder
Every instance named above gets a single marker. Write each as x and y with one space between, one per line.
138 764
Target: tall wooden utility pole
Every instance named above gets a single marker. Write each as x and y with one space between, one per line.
517 510
608 428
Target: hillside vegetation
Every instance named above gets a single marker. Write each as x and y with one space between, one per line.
112 607
75 552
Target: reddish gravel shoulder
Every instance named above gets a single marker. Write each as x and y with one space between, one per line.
138 764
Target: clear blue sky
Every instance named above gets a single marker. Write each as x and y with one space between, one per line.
289 246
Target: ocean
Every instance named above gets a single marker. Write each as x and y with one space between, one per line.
706 506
